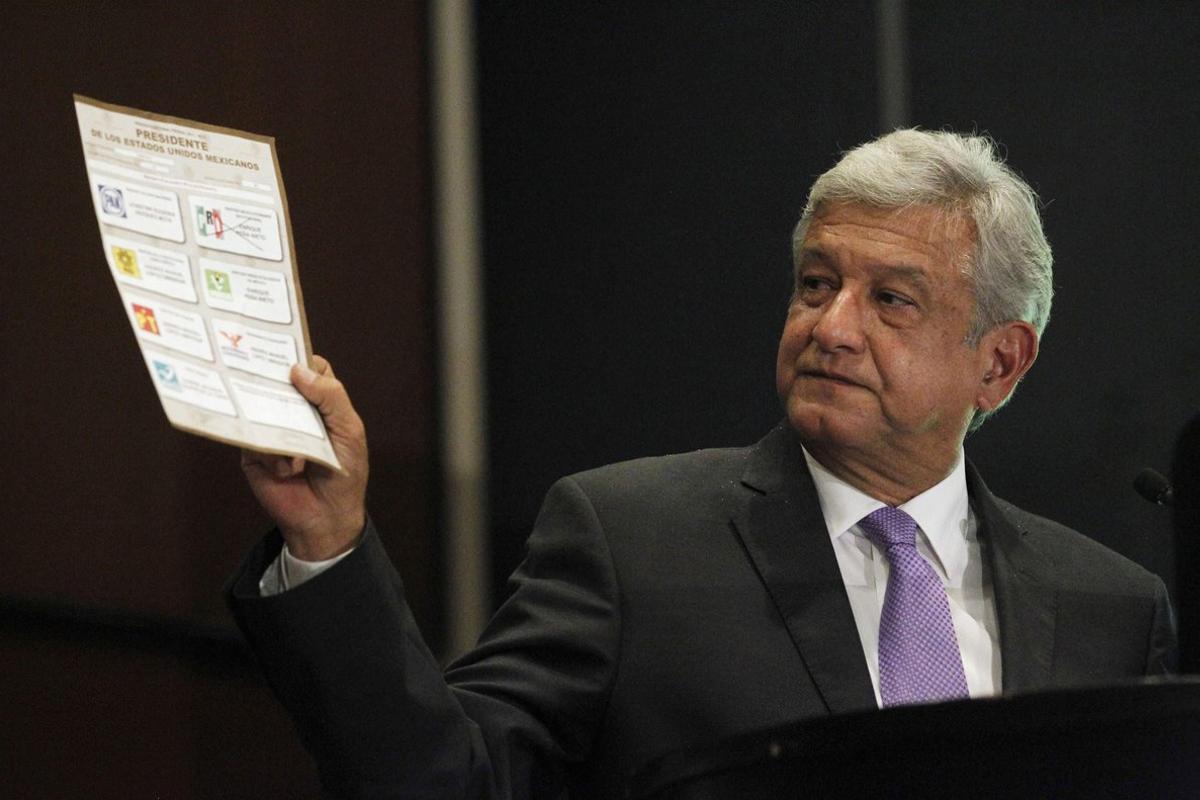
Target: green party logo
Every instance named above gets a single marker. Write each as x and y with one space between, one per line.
217 281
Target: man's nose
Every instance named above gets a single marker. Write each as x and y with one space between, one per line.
840 327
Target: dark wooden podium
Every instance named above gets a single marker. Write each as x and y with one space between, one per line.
1138 741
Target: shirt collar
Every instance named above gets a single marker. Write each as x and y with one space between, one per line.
941 511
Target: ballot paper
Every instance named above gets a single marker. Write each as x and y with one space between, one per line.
194 225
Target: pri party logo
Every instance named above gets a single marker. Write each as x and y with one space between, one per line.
112 201
145 319
126 261
209 222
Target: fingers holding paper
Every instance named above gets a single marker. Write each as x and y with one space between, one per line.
319 511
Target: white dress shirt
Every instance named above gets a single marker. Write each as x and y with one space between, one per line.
946 539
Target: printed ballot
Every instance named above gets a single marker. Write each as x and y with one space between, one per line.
195 229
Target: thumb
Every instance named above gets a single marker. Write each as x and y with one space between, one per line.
326 393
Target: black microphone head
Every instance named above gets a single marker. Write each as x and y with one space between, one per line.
1154 487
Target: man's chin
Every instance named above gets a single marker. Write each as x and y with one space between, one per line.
820 425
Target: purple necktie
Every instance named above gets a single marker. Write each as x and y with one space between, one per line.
919 660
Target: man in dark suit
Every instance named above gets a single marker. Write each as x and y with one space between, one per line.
851 558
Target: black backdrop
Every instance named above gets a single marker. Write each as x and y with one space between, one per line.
643 167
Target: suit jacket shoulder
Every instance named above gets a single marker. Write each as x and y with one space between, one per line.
1082 561
696 485
1071 611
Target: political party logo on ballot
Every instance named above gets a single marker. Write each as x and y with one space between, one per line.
166 375
234 339
146 319
209 222
217 281
235 227
112 201
126 261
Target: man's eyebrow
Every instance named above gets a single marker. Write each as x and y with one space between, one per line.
810 254
918 275
905 272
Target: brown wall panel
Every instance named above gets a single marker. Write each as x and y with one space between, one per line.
111 716
103 482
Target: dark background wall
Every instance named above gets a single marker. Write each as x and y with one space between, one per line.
643 169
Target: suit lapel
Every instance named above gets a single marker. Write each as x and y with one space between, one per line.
784 532
1025 602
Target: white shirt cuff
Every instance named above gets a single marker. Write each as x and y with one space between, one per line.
288 572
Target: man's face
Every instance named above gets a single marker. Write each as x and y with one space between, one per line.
873 359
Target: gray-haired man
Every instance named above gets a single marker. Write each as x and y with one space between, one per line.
851 558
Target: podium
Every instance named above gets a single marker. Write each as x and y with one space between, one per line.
1136 741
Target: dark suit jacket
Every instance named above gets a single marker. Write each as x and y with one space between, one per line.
664 602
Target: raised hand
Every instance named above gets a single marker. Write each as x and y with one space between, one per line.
319 511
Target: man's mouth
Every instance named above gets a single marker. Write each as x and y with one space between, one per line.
830 376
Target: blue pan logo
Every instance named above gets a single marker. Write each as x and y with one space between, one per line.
112 201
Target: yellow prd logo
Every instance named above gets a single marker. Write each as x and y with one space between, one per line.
126 261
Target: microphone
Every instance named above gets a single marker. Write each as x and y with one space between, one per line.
1154 487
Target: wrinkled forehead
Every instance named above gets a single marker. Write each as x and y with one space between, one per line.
947 232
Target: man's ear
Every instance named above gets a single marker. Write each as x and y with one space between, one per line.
1007 352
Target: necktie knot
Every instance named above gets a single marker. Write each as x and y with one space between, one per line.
888 527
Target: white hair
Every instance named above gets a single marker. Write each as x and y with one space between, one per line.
1009 268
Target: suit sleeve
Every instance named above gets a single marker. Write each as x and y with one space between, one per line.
344 656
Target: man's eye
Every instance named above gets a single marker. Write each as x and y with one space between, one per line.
893 299
812 283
